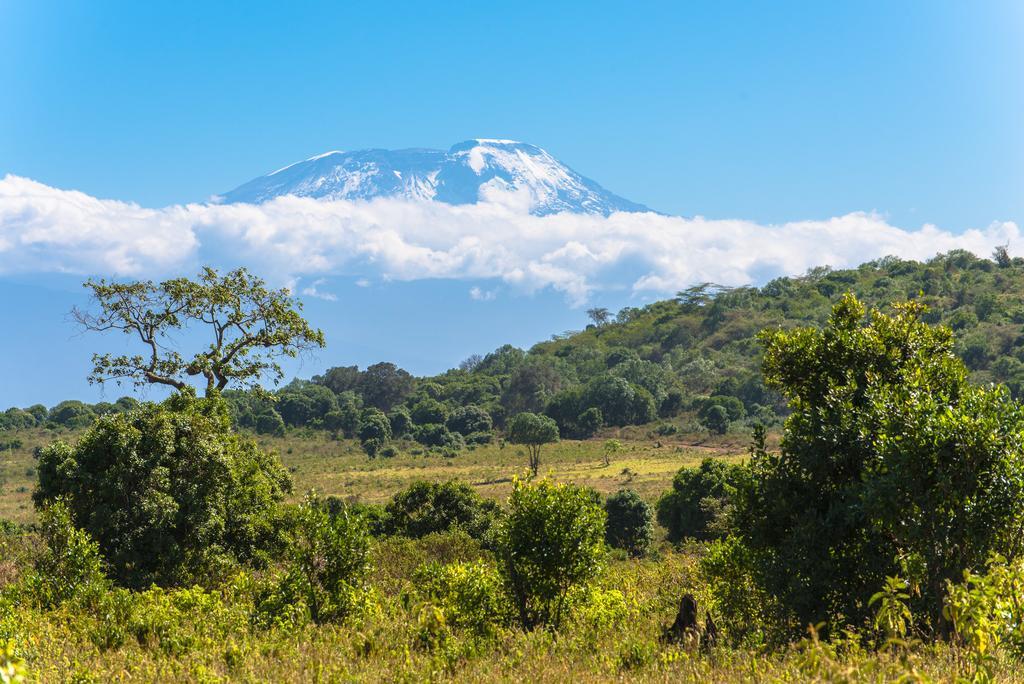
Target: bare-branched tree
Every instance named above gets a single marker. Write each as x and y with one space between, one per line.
250 326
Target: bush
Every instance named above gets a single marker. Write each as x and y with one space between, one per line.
550 543
429 412
629 523
327 561
69 567
428 507
469 594
694 506
715 419
374 430
169 492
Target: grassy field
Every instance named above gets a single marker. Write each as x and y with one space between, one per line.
340 468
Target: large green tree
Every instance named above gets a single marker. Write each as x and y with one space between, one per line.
891 463
169 491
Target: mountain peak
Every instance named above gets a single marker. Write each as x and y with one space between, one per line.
480 169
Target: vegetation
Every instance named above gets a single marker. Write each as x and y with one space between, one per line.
172 495
629 523
874 537
533 431
550 543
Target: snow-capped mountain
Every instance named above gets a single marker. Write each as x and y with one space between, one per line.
470 172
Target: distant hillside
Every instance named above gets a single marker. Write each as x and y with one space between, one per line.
671 362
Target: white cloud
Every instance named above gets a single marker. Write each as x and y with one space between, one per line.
313 291
478 295
43 229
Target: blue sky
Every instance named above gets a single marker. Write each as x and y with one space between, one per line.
767 112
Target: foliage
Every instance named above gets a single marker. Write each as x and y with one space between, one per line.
741 607
469 594
890 460
629 523
69 567
428 507
550 543
715 419
695 505
469 419
327 562
986 613
533 431
250 326
169 492
374 430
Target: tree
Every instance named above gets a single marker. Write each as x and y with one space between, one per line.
598 315
385 385
427 507
169 492
374 430
533 431
429 412
550 542
629 525
339 379
1001 255
469 419
715 419
610 447
620 402
249 326
891 464
698 498
270 423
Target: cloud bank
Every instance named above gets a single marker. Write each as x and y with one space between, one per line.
45 229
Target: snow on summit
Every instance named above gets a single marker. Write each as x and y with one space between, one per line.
476 170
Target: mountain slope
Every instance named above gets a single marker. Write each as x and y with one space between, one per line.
493 170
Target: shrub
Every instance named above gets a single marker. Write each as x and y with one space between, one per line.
427 507
374 430
169 492
629 522
401 422
589 422
550 543
429 411
469 594
327 561
69 567
697 500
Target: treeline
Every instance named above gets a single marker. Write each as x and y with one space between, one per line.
683 364
69 414
688 363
